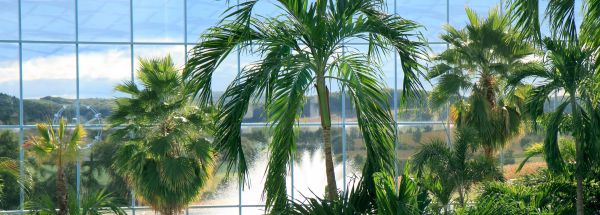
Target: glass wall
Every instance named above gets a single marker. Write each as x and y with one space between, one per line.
63 58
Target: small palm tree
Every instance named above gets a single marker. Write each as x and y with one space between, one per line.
92 203
166 155
56 145
301 50
471 72
446 170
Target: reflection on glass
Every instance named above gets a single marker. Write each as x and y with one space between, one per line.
104 20
49 82
356 154
309 162
9 84
48 20
158 20
255 142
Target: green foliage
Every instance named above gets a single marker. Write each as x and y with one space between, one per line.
93 203
166 154
300 50
407 198
9 149
353 201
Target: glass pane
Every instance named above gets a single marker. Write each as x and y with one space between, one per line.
48 20
356 154
9 20
104 20
9 148
429 13
177 53
253 211
158 20
202 14
220 190
410 137
309 163
96 172
49 82
419 109
9 84
211 211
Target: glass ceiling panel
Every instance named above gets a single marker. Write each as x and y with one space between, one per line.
9 20
158 20
104 20
48 20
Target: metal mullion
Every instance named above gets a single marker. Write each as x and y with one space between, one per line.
77 101
132 56
395 108
21 121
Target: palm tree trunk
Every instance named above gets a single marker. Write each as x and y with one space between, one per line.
61 188
578 155
323 95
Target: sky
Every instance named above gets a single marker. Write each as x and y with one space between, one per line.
50 68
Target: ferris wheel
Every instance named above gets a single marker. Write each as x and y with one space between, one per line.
94 121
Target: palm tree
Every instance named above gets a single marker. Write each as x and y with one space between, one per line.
571 69
573 63
301 50
166 155
56 145
446 170
470 74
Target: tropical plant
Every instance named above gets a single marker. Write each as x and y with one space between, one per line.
94 203
445 170
407 198
8 167
301 49
166 154
570 68
470 76
55 145
573 61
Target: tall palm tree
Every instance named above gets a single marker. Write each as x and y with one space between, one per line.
570 69
581 41
446 170
470 74
301 49
166 155
56 145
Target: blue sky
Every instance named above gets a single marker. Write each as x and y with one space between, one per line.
49 69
